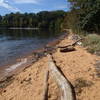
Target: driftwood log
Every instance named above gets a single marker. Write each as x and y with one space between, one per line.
73 44
63 83
68 49
45 92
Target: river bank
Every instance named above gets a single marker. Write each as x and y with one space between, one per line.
19 64
78 66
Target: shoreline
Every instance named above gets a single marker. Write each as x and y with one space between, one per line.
29 59
78 67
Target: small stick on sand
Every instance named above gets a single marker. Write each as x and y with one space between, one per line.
45 93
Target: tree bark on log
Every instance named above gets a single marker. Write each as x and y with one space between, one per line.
68 49
63 83
45 92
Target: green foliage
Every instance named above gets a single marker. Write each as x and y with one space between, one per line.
72 20
84 18
86 15
92 42
44 19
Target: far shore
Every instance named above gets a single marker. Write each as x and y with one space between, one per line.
19 28
26 28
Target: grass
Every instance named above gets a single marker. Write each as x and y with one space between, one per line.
80 84
92 42
97 68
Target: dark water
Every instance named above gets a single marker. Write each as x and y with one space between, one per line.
16 43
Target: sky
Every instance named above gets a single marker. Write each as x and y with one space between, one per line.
32 6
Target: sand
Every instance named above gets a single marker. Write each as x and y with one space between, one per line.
78 67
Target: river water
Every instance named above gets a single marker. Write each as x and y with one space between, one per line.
15 43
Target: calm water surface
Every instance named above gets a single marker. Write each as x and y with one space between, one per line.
17 43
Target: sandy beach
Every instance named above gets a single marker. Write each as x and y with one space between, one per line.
79 67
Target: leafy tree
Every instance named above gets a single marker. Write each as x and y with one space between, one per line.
88 12
43 19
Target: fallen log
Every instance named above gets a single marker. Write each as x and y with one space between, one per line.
73 44
45 92
68 49
63 83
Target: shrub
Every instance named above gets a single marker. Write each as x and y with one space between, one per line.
92 42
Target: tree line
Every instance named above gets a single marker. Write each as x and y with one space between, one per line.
84 15
43 19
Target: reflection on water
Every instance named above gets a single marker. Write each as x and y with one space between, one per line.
17 43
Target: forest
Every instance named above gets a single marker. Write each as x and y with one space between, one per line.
84 15
84 19
45 19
